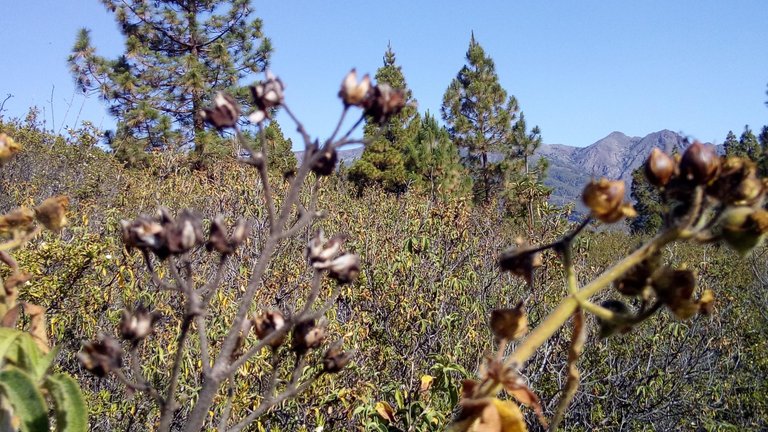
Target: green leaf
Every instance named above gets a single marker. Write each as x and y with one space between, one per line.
71 414
27 402
44 363
7 338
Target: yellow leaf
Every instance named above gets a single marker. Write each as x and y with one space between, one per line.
510 417
385 410
426 383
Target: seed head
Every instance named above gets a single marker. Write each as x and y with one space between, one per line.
700 163
353 93
101 356
659 168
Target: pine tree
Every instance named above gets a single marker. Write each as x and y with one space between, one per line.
177 54
749 145
432 161
647 204
524 188
282 160
731 144
382 161
762 164
480 119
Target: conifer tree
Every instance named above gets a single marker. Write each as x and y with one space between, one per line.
748 144
433 163
731 144
762 164
647 204
177 54
382 161
480 117
280 149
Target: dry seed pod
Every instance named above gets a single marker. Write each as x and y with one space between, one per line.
266 95
605 199
509 324
675 287
659 168
138 324
335 359
224 113
520 261
307 336
52 212
345 268
326 164
267 323
101 356
700 163
353 93
743 227
384 103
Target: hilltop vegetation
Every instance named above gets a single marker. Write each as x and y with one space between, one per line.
420 307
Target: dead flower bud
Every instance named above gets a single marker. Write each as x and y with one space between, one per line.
326 163
659 168
138 324
675 289
737 183
520 261
605 199
638 277
320 251
622 313
51 212
19 218
700 163
509 324
8 148
101 356
143 233
307 336
353 93
224 113
218 239
345 268
335 359
183 233
743 227
267 323
384 103
267 94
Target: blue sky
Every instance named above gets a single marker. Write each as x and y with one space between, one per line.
580 69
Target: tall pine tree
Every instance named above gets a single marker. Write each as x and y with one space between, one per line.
178 53
432 161
382 161
731 144
480 117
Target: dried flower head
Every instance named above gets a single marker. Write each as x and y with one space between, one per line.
224 113
135 325
218 239
520 260
509 324
101 356
353 93
183 233
622 314
605 199
267 323
8 147
143 233
384 103
307 336
737 183
700 163
266 95
674 287
52 212
659 168
335 359
326 163
634 282
320 251
345 268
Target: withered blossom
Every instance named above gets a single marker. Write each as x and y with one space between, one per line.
353 93
520 260
384 102
605 200
101 356
8 147
345 268
267 323
307 336
509 324
326 163
320 251
744 227
224 113
135 325
335 359
52 212
675 287
266 95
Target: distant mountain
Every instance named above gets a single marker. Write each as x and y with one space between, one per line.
570 168
614 156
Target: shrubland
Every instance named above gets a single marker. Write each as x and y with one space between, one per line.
416 317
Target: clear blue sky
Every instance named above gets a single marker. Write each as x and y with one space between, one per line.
580 69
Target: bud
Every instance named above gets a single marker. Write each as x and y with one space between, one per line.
659 168
138 324
335 359
509 324
8 148
267 323
675 289
224 113
143 233
384 103
183 233
353 93
51 212
743 228
321 251
266 95
307 336
520 261
102 356
737 183
700 163
605 199
345 268
326 163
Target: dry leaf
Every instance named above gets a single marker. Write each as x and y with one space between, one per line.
509 324
426 383
385 410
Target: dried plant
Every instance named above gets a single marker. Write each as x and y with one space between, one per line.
168 244
708 198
